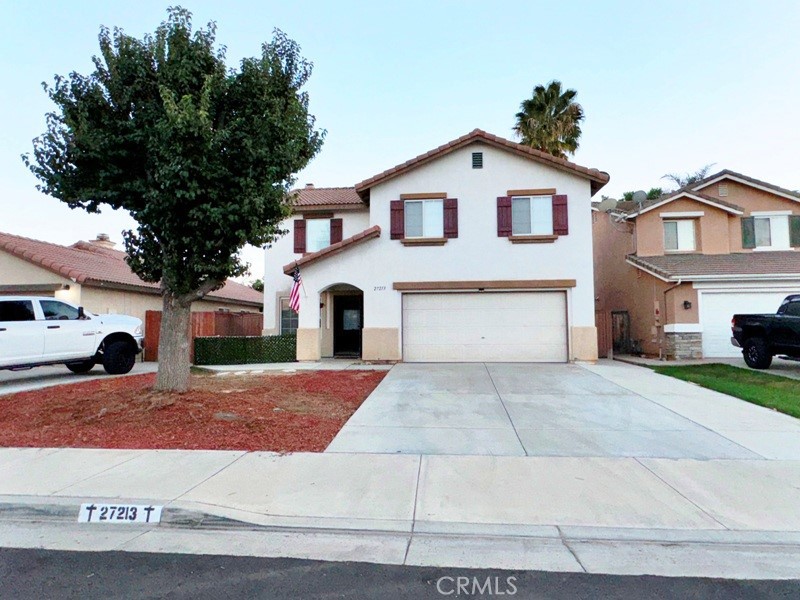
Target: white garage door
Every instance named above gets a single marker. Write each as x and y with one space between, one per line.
485 327
717 309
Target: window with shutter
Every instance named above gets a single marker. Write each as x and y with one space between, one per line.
451 218
397 219
794 231
504 220
300 236
336 231
424 219
560 215
532 215
748 232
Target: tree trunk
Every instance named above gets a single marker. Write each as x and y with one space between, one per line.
173 345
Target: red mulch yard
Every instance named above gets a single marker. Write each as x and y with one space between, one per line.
282 413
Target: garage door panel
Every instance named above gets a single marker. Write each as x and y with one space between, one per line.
485 327
717 310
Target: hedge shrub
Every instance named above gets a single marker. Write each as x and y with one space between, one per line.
245 350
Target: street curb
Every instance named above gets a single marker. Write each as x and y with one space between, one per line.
66 511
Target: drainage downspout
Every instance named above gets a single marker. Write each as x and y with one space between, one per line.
662 350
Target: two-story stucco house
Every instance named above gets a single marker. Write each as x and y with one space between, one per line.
672 272
479 250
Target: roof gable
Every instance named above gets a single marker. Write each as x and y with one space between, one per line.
745 180
597 178
698 197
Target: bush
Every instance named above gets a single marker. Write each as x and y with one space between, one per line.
245 350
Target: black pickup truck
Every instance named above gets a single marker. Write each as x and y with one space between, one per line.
763 336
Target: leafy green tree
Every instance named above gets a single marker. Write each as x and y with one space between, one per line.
682 180
652 194
550 120
200 155
258 285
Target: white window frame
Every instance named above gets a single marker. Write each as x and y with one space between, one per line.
541 217
318 242
681 226
780 237
280 315
432 226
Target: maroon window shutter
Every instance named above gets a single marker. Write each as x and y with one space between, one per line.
504 216
451 217
336 230
299 236
398 219
560 217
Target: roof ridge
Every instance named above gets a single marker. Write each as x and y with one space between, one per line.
595 175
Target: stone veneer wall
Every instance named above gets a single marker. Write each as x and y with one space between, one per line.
684 345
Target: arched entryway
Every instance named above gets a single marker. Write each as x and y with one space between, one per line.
341 320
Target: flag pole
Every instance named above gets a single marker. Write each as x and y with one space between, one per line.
302 285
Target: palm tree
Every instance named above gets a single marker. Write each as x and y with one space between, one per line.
688 178
550 120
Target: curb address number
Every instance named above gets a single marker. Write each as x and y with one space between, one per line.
119 513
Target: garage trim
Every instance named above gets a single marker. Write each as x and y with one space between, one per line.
500 284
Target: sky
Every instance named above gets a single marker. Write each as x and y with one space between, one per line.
666 86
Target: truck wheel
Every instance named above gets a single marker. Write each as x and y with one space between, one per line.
756 354
118 358
82 367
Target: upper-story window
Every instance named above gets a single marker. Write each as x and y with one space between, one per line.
771 231
318 234
532 215
424 218
315 233
679 235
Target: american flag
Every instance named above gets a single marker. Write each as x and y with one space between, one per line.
294 297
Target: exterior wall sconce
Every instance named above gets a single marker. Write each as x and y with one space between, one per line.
687 304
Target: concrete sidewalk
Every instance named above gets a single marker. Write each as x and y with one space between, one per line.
721 518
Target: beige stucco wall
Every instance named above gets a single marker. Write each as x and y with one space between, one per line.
14 270
380 343
711 231
308 346
620 286
584 343
751 200
136 304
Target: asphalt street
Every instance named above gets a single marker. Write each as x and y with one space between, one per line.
45 574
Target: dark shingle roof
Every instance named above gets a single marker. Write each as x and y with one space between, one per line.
691 266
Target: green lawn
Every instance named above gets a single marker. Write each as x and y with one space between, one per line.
761 388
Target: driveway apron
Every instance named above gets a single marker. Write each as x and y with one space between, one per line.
518 410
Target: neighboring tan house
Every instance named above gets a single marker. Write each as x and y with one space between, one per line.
95 276
479 250
670 273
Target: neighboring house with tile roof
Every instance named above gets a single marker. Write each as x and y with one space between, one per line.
478 250
95 275
671 272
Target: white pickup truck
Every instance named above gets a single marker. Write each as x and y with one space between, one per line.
45 331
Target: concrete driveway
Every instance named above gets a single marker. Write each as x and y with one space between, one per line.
12 382
607 410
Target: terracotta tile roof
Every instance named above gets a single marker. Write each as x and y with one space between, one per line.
728 172
96 266
359 238
632 208
333 196
706 266
598 178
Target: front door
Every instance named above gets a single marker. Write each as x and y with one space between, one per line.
348 320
